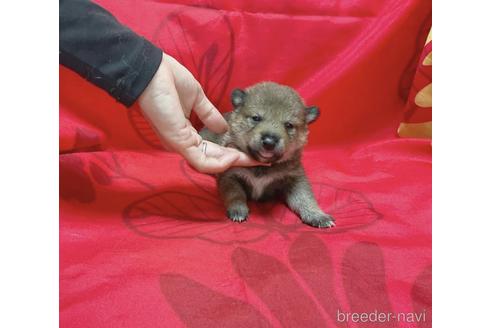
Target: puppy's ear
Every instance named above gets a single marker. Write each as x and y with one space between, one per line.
312 114
238 98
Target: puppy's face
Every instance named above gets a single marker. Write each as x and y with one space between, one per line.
270 121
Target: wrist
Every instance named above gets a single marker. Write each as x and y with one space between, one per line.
155 86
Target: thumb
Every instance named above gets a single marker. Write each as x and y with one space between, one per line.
208 114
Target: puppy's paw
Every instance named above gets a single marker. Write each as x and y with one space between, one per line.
320 220
238 212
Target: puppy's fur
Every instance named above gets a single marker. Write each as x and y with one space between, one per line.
270 123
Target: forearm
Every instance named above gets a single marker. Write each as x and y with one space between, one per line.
96 46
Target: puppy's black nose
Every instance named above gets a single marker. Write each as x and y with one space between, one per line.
269 141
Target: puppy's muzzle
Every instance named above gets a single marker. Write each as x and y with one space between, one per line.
269 141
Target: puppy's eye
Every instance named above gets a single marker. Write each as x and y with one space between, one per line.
256 118
289 126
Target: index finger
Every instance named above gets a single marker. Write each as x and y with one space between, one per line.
245 160
220 162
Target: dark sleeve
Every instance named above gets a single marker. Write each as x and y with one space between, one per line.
96 46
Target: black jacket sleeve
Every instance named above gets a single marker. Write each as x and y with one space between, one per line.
96 46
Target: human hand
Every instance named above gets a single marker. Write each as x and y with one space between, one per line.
167 103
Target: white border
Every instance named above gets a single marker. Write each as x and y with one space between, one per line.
462 165
462 179
29 164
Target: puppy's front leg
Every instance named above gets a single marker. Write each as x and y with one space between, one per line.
300 199
234 196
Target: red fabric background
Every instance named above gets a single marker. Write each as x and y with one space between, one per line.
144 241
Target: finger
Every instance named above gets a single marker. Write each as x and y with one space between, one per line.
194 136
209 164
208 114
245 160
214 150
188 123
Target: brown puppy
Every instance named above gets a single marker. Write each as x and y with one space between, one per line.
270 123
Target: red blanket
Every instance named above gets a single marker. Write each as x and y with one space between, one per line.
144 240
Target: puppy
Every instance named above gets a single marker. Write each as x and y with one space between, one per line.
270 123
